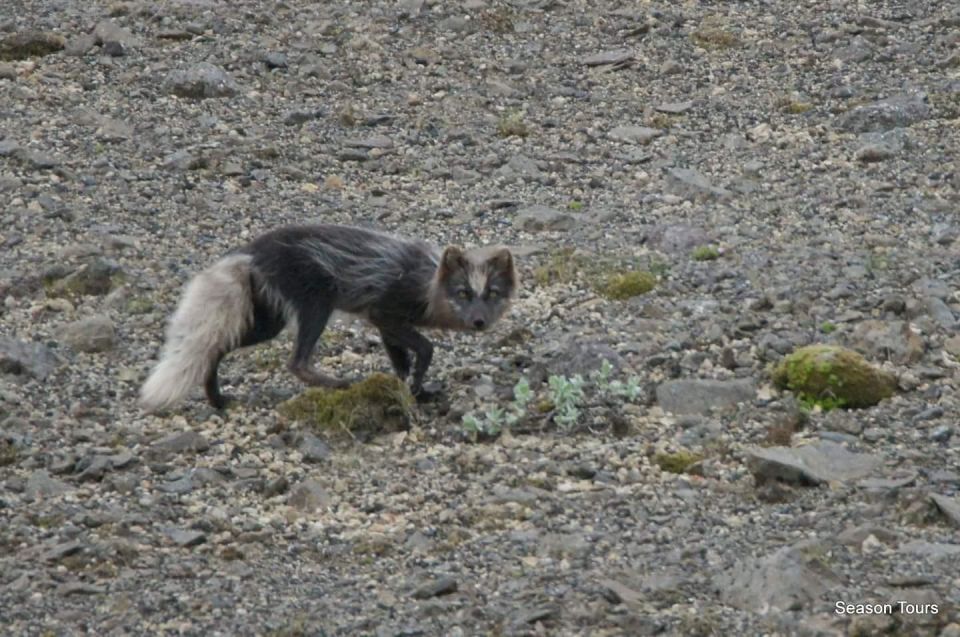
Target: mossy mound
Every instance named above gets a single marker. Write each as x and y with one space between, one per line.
381 403
829 376
627 285
705 253
677 462
30 44
96 278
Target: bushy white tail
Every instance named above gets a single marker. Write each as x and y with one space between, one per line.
214 313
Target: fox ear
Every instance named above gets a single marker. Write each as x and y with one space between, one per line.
452 261
501 260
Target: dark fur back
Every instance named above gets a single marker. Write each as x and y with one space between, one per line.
354 269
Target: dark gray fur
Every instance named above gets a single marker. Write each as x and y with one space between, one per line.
301 274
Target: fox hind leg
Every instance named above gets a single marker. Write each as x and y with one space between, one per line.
311 321
212 386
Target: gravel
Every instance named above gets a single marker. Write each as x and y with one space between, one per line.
812 146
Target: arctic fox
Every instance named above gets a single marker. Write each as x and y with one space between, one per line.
298 276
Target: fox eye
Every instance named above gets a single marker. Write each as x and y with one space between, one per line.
464 294
493 294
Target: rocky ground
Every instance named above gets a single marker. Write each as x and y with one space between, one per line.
811 145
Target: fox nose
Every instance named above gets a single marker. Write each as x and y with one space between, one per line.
479 323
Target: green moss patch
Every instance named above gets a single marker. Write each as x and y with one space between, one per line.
705 253
512 125
829 376
381 403
627 285
677 462
612 277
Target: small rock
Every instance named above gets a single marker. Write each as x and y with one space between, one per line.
309 496
617 57
112 130
185 538
674 108
689 183
180 486
63 550
950 507
695 396
92 468
435 587
313 449
678 238
96 278
184 442
201 81
94 334
302 116
109 33
539 217
80 45
80 588
635 134
275 60
940 312
41 485
375 141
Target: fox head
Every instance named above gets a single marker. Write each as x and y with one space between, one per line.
476 285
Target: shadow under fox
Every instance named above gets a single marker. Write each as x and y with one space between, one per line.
299 275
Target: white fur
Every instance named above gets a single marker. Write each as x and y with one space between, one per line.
213 315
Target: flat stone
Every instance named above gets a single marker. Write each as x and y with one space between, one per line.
950 507
899 111
635 134
41 485
616 56
673 108
820 462
539 217
24 358
701 396
689 183
185 538
201 81
435 587
374 141
932 550
790 578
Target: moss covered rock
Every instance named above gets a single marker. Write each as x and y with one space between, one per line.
627 285
830 376
677 462
28 44
380 404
